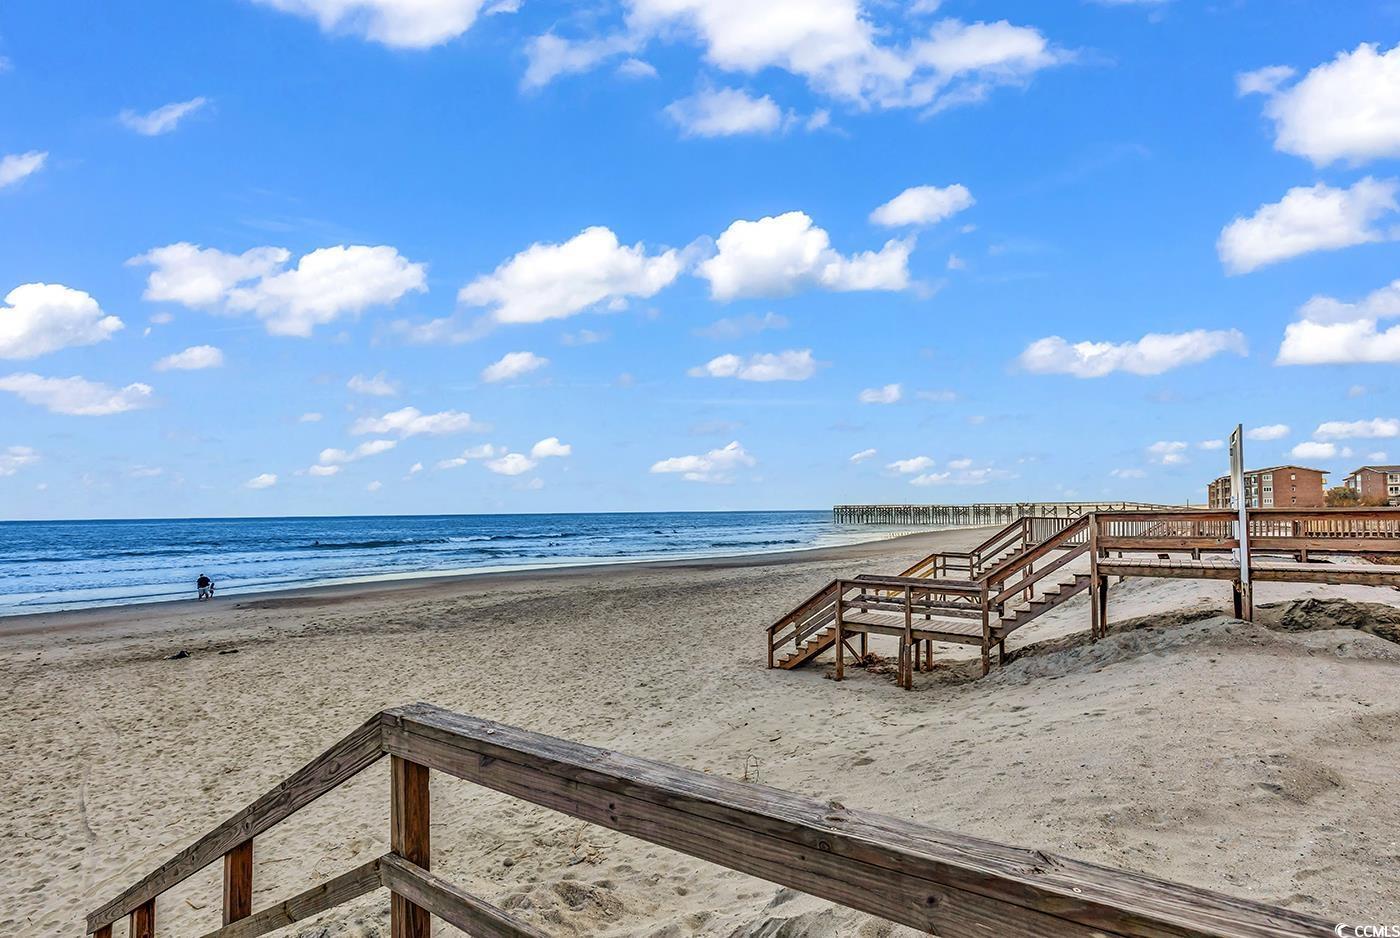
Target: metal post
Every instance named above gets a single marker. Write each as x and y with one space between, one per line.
1246 590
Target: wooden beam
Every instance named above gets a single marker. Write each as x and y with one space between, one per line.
238 883
933 880
143 920
345 759
333 892
409 836
454 906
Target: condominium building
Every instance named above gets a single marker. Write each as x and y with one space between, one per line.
1376 485
1275 487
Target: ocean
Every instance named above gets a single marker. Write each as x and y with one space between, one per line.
52 565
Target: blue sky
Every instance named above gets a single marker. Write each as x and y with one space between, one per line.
379 256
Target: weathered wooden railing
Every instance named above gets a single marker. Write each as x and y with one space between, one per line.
932 880
1271 530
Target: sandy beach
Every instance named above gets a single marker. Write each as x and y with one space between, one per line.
1256 759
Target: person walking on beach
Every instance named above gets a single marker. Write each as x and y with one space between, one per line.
206 587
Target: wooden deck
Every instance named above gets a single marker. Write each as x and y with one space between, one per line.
1217 568
935 881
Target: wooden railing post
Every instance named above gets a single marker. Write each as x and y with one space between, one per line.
104 932
408 836
238 883
143 920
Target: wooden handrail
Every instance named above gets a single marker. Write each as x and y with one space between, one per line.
1002 571
933 880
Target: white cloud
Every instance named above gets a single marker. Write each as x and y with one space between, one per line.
1167 452
1273 431
1128 473
939 396
637 68
889 394
380 385
550 447
323 471
511 464
400 24
1375 429
834 45
923 205
309 417
325 285
484 451
193 358
77 396
512 365
15 458
863 455
1211 444
1311 450
416 468
39 318
979 476
339 457
718 465
735 327
1330 331
911 465
778 255
792 365
1346 109
956 263
1307 219
552 281
374 486
725 112
264 481
410 421
549 56
1153 354
163 119
17 166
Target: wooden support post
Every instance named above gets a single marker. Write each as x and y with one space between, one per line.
143 920
986 632
104 932
1095 581
238 883
911 650
840 632
1235 595
1103 608
408 836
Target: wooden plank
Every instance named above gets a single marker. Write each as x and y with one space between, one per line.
409 829
142 923
104 932
238 883
937 881
333 892
342 761
453 905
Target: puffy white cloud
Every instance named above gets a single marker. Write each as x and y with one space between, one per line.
17 166
511 464
889 394
1331 332
163 119
400 24
193 358
951 476
1131 473
778 255
911 465
325 285
484 451
1211 444
39 318
374 486
734 327
380 385
725 112
792 365
863 455
15 458
550 447
1307 219
264 481
512 365
1273 431
834 45
1374 429
77 396
339 457
1167 452
1153 354
1345 109
323 471
410 421
923 205
718 465
552 281
549 56
309 417
1312 450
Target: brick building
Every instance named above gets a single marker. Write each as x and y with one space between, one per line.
1275 487
1376 485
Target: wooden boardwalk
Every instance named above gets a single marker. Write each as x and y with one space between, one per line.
936 881
981 513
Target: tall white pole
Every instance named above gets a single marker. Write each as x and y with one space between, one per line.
1242 503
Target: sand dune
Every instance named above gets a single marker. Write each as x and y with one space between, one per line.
1258 759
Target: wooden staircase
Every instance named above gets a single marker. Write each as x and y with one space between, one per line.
1023 614
809 649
